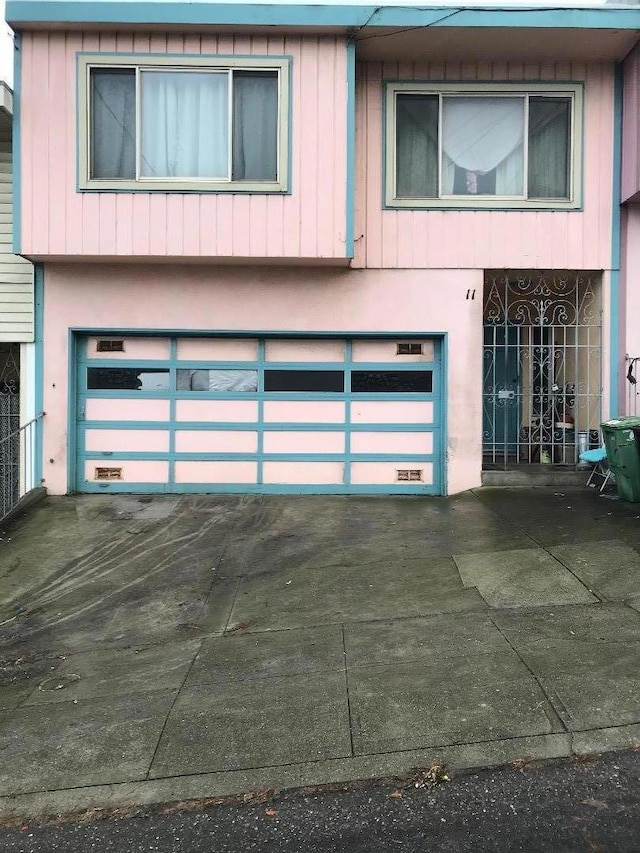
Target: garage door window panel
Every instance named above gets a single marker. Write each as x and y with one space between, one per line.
312 381
391 381
217 380
127 379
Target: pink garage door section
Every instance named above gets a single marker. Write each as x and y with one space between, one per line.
253 414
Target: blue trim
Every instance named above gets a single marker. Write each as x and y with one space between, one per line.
282 334
173 355
38 285
75 411
250 426
16 145
351 149
116 455
443 432
347 16
268 489
616 245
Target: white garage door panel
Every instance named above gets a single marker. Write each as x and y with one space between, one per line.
391 442
303 411
300 473
127 410
392 412
304 350
216 349
220 472
303 442
133 348
216 441
224 411
128 441
130 470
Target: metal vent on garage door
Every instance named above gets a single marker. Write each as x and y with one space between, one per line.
409 475
110 346
409 349
108 473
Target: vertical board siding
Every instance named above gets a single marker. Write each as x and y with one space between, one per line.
309 222
631 126
450 239
16 274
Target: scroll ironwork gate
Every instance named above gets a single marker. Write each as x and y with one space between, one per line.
541 367
9 427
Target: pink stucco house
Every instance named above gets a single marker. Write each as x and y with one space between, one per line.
326 248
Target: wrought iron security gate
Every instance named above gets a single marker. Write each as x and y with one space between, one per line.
542 383
9 426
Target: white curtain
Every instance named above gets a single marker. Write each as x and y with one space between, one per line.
217 380
478 136
184 125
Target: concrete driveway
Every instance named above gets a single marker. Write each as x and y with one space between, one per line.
157 649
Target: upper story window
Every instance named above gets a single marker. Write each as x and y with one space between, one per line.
483 145
187 124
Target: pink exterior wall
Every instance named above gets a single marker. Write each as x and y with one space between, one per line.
630 326
485 239
631 126
182 298
59 221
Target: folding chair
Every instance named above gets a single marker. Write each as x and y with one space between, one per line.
597 458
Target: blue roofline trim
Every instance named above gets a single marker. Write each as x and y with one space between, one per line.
348 16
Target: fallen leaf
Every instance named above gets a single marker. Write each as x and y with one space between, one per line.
521 763
270 812
429 778
237 626
396 794
595 804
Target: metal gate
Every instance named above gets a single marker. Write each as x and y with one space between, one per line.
542 384
9 427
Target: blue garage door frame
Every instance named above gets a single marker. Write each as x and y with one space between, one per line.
81 394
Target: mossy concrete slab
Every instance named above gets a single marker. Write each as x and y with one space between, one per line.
591 684
448 700
521 578
116 672
90 742
422 639
606 623
377 590
245 724
268 655
610 569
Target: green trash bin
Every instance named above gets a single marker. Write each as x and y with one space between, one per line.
622 443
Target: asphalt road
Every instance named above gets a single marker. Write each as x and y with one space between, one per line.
587 805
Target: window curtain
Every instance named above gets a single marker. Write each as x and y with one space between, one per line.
255 126
549 135
417 146
184 125
478 136
113 124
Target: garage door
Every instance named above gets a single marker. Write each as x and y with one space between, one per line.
220 414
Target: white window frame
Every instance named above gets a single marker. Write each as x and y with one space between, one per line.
572 91
140 63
